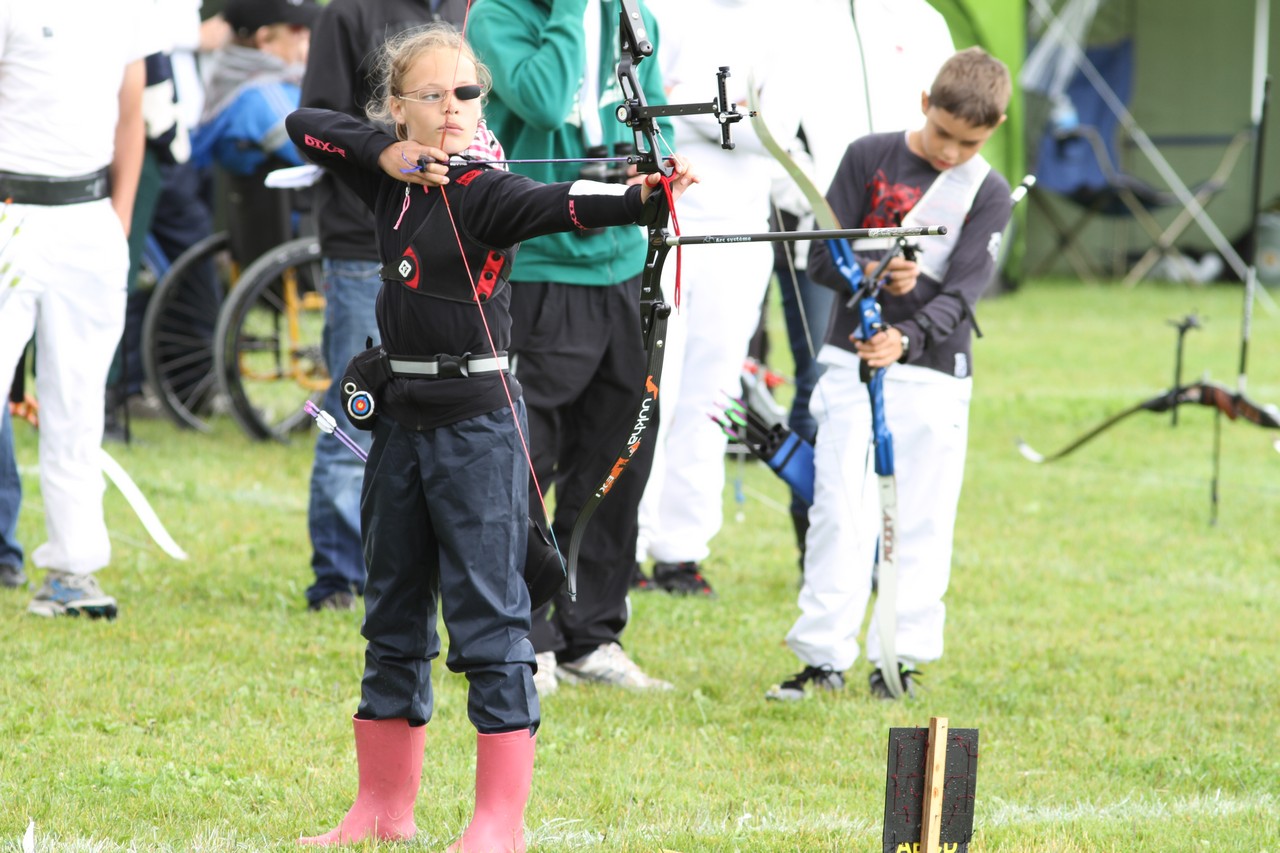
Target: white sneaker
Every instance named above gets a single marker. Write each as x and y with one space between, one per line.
544 680
609 664
67 594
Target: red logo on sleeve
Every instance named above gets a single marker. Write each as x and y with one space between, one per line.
326 147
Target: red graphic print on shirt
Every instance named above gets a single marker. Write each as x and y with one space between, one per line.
889 203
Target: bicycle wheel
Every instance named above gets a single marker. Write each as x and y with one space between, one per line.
267 346
178 328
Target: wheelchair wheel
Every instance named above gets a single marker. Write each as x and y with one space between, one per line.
178 328
267 346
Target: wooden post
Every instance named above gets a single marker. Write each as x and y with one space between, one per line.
935 778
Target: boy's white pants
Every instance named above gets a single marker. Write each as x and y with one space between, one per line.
66 281
928 415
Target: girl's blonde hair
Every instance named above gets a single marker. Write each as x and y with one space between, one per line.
399 55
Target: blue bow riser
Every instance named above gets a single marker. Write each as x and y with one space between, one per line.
880 428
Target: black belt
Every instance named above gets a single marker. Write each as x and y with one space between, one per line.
37 189
446 366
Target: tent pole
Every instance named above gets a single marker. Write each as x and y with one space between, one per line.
1258 114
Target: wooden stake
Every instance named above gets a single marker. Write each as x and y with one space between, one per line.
935 779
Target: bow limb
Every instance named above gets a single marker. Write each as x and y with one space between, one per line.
886 606
656 330
654 310
823 215
1211 394
654 313
140 505
1155 404
25 406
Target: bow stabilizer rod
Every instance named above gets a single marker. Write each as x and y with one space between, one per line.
672 241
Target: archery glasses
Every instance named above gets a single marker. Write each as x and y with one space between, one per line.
432 97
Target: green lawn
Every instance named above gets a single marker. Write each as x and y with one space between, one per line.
1117 653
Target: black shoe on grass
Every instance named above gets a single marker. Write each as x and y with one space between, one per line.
810 678
682 579
880 689
641 581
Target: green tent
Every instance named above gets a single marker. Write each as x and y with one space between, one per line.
1192 92
999 27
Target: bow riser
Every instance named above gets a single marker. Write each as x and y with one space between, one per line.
1231 404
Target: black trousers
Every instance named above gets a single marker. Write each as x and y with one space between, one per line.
580 359
444 518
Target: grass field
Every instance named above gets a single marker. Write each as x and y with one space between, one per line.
1117 653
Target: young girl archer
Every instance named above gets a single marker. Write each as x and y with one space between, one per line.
444 500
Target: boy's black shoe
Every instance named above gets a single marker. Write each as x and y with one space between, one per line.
880 690
816 677
682 579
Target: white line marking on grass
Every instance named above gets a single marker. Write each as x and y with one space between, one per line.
256 495
1002 813
576 833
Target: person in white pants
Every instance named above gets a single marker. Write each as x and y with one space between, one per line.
723 286
879 55
928 416
71 147
933 175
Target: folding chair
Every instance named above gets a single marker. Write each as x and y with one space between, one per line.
1080 163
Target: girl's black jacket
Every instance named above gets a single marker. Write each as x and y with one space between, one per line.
446 254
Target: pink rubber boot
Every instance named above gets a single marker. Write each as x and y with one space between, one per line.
389 758
504 773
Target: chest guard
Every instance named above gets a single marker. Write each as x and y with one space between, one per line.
430 263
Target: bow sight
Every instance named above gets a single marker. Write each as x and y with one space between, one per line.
635 111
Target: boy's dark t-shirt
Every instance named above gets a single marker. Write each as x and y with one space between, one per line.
877 184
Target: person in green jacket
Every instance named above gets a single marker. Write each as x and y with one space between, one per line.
576 344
